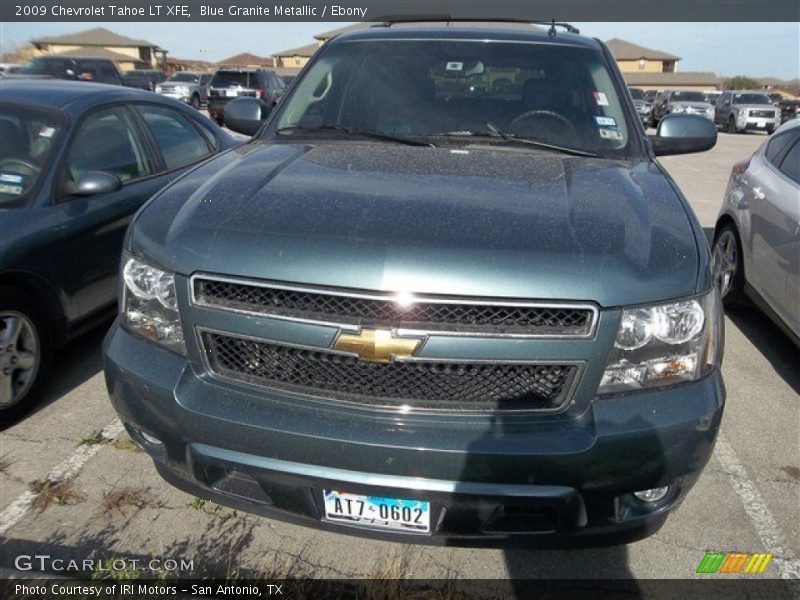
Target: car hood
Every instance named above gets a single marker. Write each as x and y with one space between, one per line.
472 221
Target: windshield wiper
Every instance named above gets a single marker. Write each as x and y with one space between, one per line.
370 133
494 132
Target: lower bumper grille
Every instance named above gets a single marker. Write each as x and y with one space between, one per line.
444 385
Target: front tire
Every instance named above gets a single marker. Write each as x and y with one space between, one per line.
25 352
732 125
195 102
728 267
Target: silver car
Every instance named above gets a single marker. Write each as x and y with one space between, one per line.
738 111
191 88
756 253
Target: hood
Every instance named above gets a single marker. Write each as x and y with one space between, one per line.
475 222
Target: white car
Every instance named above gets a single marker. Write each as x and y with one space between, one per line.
757 238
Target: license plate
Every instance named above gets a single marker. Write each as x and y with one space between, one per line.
761 124
375 511
230 93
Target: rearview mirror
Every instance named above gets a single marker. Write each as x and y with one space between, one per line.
245 115
683 134
97 182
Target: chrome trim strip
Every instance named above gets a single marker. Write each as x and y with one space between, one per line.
398 331
569 395
377 479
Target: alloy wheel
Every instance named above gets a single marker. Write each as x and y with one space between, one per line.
725 261
19 357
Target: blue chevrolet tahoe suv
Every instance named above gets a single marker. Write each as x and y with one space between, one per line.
446 294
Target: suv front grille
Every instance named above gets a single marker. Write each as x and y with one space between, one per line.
346 307
762 113
417 384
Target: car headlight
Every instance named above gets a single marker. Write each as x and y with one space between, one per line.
158 88
710 111
150 304
664 344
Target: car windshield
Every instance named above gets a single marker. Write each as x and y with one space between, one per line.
687 97
43 66
185 77
751 99
636 93
27 139
244 79
452 91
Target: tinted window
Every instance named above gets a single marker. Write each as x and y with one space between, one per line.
750 98
54 67
791 164
27 139
186 77
687 97
107 141
778 144
179 141
636 93
557 94
246 79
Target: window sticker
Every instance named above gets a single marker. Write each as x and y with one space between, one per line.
46 132
455 66
11 184
606 121
600 98
10 178
611 134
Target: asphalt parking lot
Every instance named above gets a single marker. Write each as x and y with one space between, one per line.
73 486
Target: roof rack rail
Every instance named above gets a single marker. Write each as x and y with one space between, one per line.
389 20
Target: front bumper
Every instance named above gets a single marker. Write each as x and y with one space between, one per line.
179 97
543 481
757 123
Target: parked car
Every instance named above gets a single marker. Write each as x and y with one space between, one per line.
756 242
711 97
98 70
790 109
642 106
188 87
738 111
680 102
228 84
410 312
76 161
144 79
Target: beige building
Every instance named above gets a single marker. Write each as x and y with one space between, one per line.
247 60
127 53
632 58
296 58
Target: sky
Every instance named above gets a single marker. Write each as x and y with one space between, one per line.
727 49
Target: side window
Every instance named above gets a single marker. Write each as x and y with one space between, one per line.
791 163
107 141
179 141
88 70
778 144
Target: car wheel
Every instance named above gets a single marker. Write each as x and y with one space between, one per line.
732 125
727 267
25 352
195 102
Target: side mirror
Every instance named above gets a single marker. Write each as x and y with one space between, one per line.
245 115
97 182
683 134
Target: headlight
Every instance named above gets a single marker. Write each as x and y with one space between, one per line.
150 305
158 88
710 111
664 344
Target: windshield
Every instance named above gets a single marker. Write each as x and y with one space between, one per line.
245 79
687 97
27 139
751 99
636 93
446 90
186 77
46 66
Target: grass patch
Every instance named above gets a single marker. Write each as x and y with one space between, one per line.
127 498
96 438
60 493
126 443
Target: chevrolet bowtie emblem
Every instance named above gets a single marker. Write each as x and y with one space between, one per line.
377 345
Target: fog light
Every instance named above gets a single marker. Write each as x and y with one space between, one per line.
152 440
652 495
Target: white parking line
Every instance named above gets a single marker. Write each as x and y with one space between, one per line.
757 511
66 470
